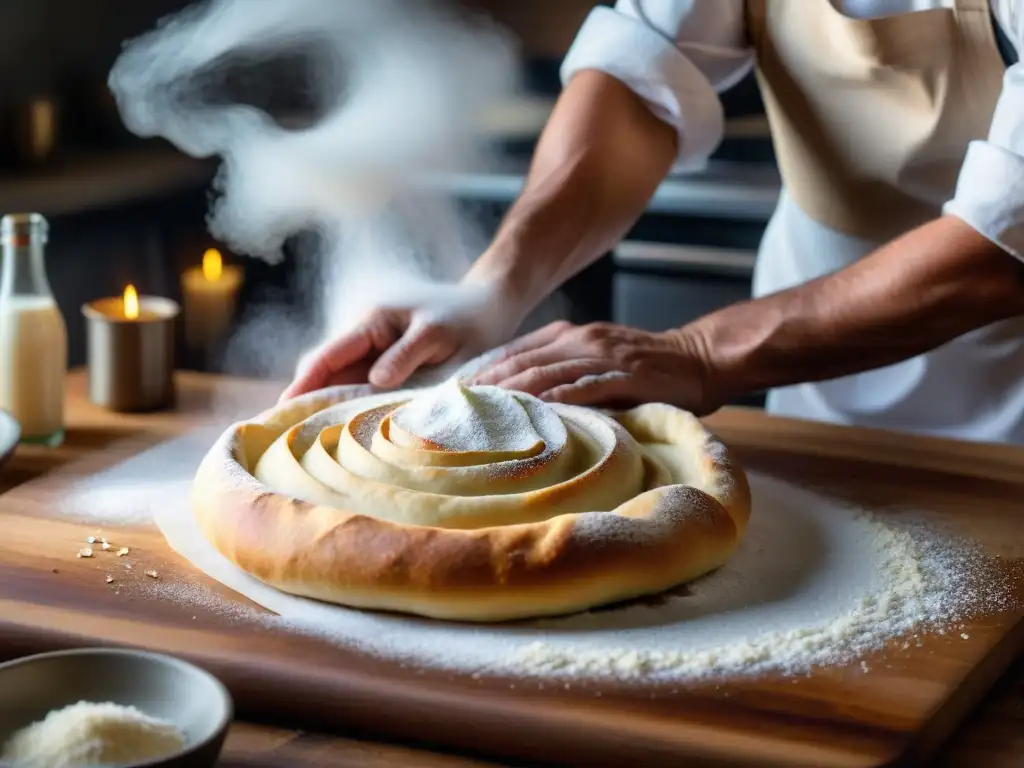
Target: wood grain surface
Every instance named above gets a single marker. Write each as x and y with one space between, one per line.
901 712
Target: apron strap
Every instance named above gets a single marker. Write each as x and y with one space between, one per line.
1006 48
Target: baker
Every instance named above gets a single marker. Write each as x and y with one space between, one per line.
889 288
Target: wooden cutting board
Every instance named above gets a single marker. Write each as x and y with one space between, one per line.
899 713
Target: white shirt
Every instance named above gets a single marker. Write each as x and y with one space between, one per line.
678 55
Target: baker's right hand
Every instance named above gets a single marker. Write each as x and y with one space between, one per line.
389 345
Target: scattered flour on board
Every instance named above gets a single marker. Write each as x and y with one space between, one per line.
814 582
132 492
920 584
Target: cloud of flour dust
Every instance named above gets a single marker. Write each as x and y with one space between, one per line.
399 89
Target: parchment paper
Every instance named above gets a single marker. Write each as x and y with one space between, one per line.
800 567
806 565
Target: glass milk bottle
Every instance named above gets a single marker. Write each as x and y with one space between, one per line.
33 337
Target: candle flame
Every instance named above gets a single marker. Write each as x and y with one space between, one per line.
213 265
131 303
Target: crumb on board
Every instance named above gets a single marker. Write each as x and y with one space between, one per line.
110 579
105 546
122 551
90 539
85 552
965 636
153 574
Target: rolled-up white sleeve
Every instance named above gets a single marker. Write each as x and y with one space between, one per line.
990 190
676 55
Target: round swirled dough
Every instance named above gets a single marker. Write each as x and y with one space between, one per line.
470 503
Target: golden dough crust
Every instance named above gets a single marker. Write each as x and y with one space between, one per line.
675 507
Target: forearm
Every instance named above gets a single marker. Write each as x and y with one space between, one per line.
598 162
914 294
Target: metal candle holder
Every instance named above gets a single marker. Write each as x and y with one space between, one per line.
131 359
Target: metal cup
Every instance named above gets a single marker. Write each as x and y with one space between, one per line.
131 361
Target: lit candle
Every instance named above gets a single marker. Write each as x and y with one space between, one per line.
130 340
209 294
130 303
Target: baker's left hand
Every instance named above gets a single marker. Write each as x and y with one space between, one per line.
605 365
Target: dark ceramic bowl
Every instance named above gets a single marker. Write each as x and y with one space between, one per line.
161 686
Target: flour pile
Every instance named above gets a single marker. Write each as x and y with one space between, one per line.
455 417
92 734
814 582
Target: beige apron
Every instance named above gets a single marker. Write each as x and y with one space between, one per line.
871 121
871 118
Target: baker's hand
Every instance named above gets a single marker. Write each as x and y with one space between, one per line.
603 364
385 348
390 344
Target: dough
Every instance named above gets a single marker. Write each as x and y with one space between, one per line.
473 504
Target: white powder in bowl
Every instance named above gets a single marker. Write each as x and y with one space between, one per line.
92 734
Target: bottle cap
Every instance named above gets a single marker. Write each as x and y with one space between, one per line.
24 228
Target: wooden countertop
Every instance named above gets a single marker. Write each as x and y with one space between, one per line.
993 736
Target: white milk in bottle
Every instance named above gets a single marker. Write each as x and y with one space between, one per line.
33 337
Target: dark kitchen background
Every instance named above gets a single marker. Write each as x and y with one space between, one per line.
123 210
